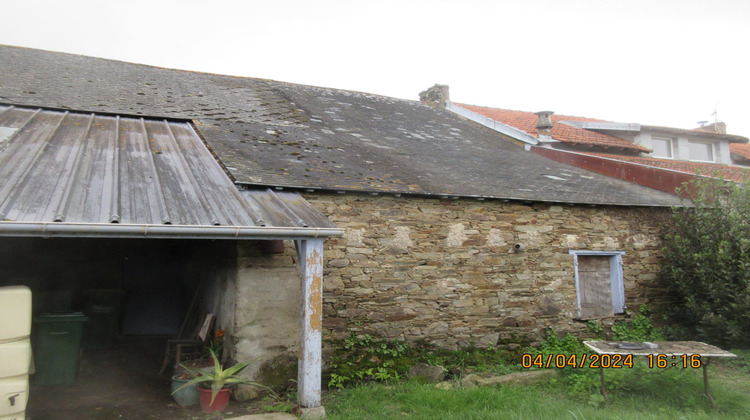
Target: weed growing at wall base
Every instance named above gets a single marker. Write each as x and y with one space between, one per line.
584 382
363 358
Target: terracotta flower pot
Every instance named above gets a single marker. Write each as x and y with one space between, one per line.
220 402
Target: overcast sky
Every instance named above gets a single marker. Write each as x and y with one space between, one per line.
658 62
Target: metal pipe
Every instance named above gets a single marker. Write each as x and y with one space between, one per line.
107 230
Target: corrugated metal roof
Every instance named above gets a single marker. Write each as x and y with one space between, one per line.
82 168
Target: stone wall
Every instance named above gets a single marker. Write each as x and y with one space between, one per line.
446 270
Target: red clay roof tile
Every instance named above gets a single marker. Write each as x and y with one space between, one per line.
526 121
741 149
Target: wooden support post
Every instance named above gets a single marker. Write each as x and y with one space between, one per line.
310 253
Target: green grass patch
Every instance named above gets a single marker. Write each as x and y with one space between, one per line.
368 382
676 395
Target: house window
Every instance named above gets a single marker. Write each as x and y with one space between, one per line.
599 285
702 152
662 147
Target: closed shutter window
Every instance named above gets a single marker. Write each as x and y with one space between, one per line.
595 286
599 284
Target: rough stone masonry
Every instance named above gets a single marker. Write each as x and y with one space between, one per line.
446 270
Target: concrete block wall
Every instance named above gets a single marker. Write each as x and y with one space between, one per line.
267 313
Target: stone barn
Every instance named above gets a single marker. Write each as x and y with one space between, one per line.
452 232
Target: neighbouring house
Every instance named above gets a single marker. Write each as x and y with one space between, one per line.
453 232
650 155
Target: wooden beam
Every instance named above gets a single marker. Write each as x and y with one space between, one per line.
310 253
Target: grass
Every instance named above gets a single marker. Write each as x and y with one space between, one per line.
673 394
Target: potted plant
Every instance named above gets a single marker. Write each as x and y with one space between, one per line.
214 385
189 395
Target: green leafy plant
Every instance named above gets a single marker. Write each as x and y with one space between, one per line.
640 328
218 378
363 358
338 381
282 407
594 327
580 383
567 344
707 263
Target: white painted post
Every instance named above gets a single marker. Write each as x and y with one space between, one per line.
310 253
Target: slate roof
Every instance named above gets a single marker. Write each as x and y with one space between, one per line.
526 121
272 133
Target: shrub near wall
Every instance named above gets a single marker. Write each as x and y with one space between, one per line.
707 264
445 270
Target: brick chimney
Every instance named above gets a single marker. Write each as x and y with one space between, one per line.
716 127
436 96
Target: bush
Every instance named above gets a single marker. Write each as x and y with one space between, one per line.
707 264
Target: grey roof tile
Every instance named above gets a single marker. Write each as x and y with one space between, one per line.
281 134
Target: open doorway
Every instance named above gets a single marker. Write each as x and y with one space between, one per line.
135 294
151 281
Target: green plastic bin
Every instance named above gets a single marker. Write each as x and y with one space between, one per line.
57 345
103 307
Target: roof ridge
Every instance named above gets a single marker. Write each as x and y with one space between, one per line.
558 116
206 73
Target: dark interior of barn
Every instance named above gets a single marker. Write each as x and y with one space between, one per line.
131 296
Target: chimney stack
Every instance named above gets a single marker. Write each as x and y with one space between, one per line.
544 125
436 96
715 127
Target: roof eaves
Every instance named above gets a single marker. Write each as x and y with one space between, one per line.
116 230
446 196
732 138
601 125
606 146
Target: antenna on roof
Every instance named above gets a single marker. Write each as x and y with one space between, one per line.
716 112
717 126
